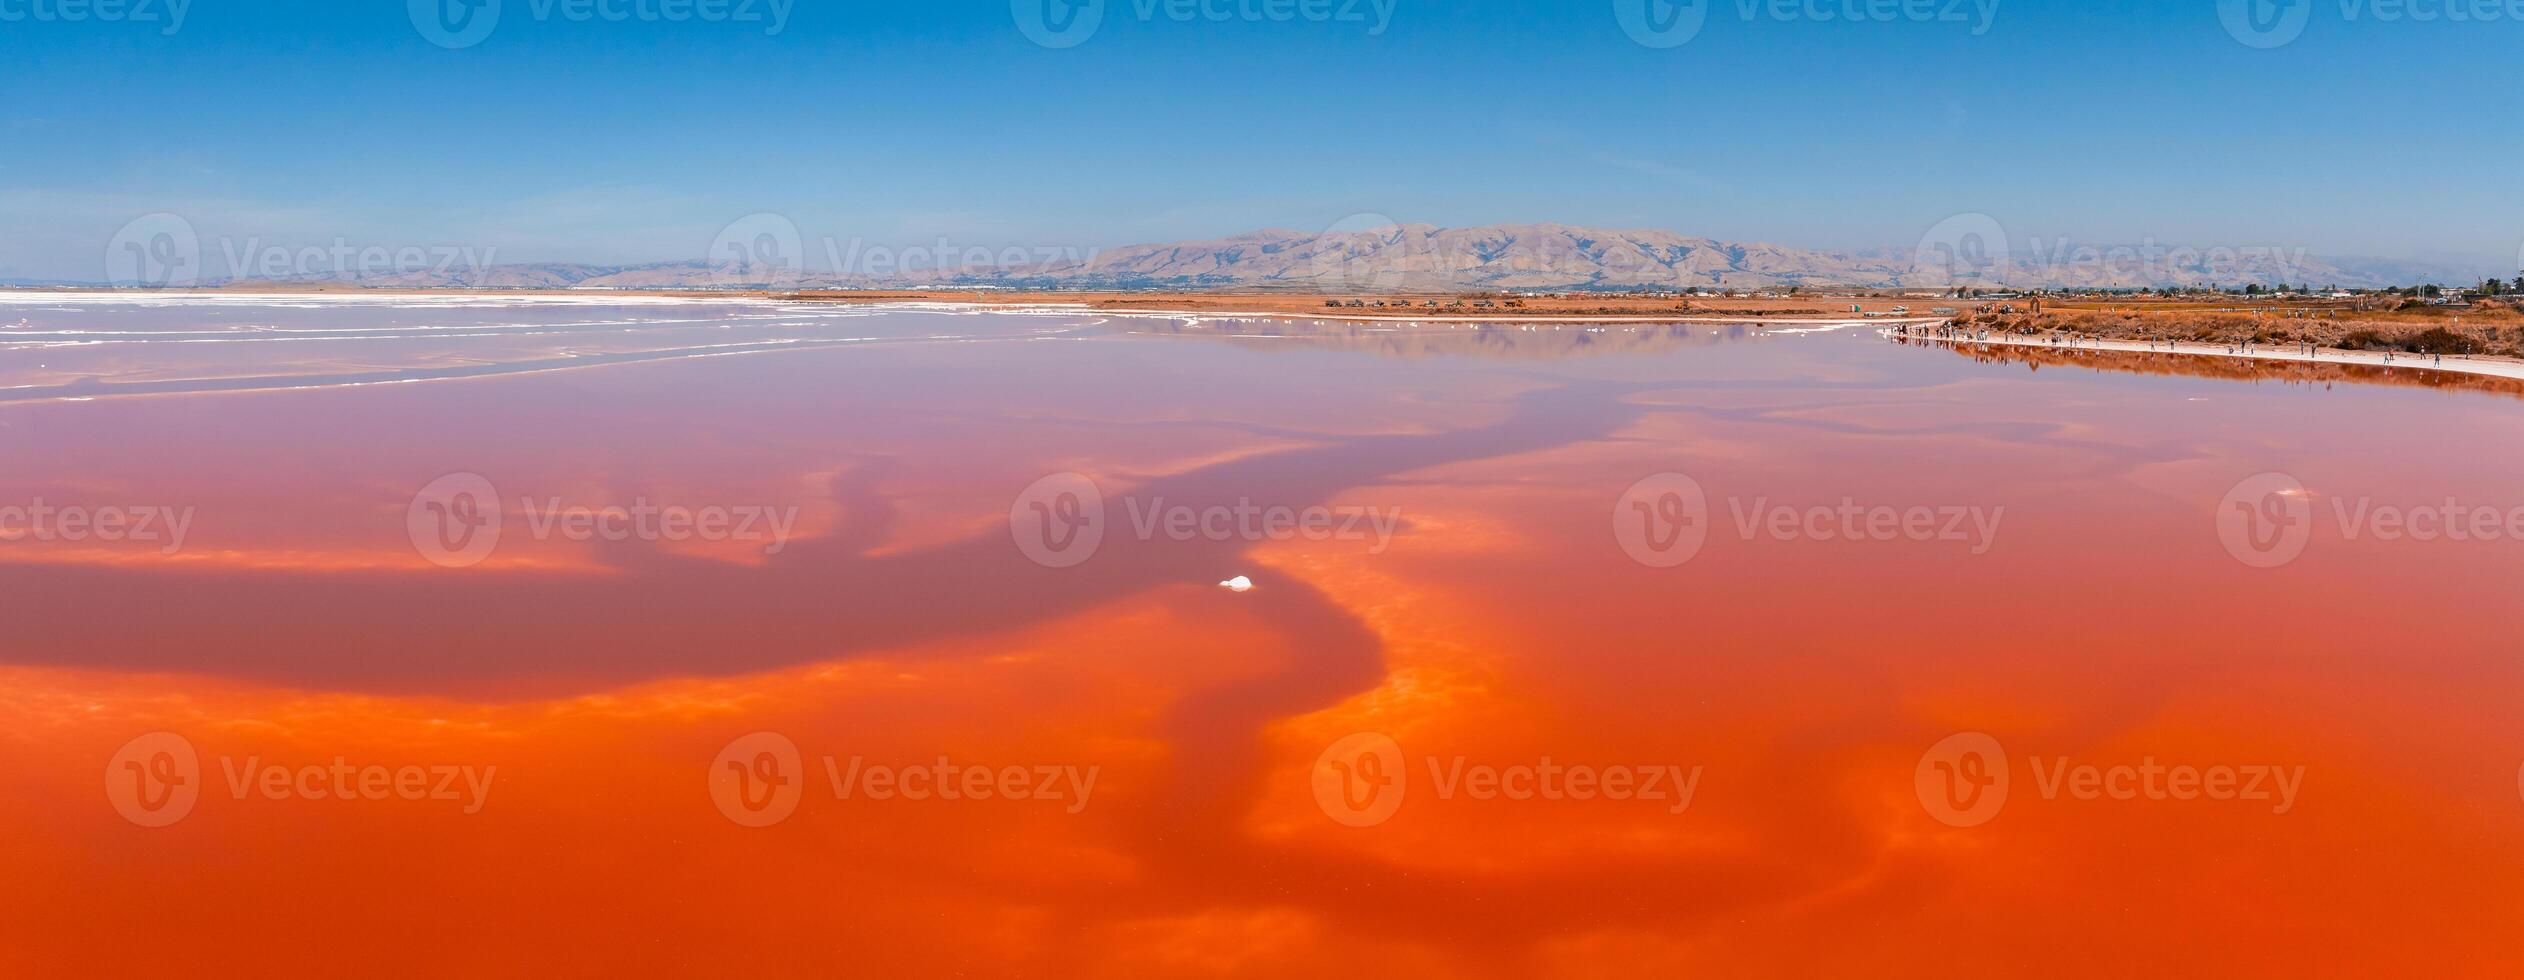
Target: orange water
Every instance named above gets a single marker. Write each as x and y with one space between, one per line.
595 684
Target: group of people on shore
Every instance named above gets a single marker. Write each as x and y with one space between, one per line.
2243 348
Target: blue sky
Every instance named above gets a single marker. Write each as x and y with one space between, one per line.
603 132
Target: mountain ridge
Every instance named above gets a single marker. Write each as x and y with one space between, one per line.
1504 257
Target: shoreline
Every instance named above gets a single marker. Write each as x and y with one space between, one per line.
2483 365
931 303
1198 316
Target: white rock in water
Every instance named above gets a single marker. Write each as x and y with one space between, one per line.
1238 584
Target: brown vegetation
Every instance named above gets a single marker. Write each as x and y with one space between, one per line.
2231 368
2490 327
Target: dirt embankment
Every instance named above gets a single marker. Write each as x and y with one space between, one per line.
2491 327
2254 370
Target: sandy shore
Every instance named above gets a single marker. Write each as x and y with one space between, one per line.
2496 367
1802 321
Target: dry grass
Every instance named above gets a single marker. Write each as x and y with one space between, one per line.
2490 327
2235 368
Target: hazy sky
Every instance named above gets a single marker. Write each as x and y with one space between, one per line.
637 130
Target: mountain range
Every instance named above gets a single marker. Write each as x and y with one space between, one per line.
1423 258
